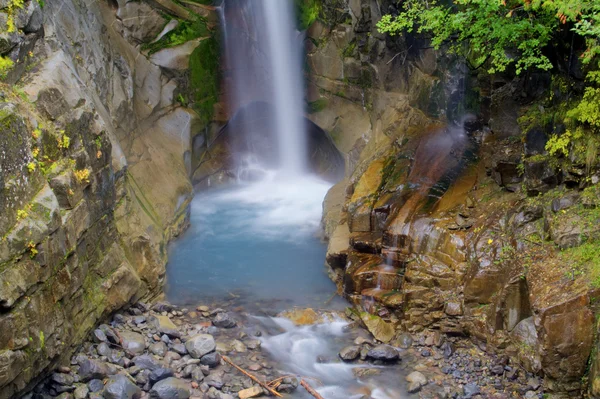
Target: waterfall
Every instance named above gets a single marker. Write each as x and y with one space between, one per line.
263 56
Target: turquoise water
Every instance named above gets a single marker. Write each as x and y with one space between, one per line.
254 243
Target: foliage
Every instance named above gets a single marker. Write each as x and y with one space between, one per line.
497 34
557 145
31 167
585 259
307 12
22 214
82 175
317 105
502 32
12 9
64 141
6 65
204 74
184 32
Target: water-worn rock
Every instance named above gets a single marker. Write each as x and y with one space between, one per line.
158 348
133 342
384 353
199 345
224 320
416 381
170 388
212 359
160 374
120 387
95 385
93 369
164 325
380 329
146 362
350 353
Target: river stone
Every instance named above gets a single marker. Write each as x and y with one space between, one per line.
95 385
160 374
199 345
350 353
416 381
381 330
212 359
164 325
63 379
94 369
170 388
179 348
81 391
133 342
146 362
250 392
215 379
239 346
471 390
103 349
120 387
223 320
99 336
384 353
158 349
405 341
253 344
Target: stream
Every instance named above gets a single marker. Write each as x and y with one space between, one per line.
256 246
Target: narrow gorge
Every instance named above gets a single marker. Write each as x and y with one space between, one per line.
366 199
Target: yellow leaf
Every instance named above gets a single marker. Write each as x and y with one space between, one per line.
490 241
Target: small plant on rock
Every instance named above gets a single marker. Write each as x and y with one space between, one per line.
82 175
6 65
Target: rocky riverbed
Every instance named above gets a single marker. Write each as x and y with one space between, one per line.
166 352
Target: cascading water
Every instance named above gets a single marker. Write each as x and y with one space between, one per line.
254 244
263 56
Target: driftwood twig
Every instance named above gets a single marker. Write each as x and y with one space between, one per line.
253 378
310 390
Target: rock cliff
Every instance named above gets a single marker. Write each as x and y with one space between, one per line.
95 166
451 216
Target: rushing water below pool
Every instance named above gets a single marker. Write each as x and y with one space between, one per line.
255 247
256 242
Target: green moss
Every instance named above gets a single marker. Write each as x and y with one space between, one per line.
349 50
204 78
317 105
184 32
307 12
585 260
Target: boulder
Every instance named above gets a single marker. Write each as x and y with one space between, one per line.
160 374
350 353
120 387
381 330
146 362
200 345
416 381
133 342
224 320
170 388
94 369
164 325
384 353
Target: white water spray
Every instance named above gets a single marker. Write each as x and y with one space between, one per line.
263 53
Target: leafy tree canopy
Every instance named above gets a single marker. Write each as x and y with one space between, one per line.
501 31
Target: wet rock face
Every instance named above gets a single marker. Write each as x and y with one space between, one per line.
245 134
82 217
